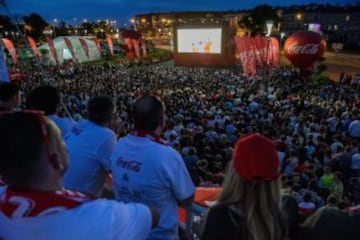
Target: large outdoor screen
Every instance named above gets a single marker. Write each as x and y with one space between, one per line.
199 40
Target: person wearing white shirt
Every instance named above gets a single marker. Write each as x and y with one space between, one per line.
355 165
354 129
90 144
35 206
148 171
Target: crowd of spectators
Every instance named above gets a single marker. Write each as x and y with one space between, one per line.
316 127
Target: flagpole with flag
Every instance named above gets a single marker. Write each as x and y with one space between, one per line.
48 80
4 73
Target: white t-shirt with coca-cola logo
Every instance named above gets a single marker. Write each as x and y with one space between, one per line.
98 219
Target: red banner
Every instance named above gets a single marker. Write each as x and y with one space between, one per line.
84 46
274 52
10 47
247 54
143 46
260 44
52 49
110 44
135 44
98 46
69 46
33 46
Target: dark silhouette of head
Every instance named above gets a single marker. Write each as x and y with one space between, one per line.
29 143
100 109
44 98
9 96
148 113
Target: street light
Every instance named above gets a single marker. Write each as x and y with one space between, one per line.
347 19
269 25
55 22
282 35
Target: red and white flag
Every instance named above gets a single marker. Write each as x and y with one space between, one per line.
260 43
52 49
135 44
10 47
247 55
84 47
69 46
110 44
33 46
274 52
143 47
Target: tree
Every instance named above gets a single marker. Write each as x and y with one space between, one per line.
6 23
62 29
255 21
37 24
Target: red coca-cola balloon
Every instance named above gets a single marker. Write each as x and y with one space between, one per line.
303 48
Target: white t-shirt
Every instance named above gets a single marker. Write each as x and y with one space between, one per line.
148 172
65 124
354 128
99 219
89 148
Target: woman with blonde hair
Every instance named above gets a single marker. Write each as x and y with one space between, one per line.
249 206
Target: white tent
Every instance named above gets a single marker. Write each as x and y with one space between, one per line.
63 53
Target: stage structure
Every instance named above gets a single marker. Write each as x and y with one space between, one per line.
204 45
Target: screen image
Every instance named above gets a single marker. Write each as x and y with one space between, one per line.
315 27
200 40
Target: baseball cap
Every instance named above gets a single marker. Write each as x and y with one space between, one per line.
255 158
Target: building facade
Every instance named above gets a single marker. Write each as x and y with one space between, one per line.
338 24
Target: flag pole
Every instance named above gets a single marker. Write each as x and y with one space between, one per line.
48 80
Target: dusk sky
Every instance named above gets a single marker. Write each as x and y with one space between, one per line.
74 11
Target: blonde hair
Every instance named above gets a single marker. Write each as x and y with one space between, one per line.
258 201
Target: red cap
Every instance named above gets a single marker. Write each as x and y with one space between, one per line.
255 158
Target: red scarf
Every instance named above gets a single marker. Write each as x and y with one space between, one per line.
16 204
152 136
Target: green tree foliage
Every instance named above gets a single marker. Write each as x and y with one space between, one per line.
37 24
255 21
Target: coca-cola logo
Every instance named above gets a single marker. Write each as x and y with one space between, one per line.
310 48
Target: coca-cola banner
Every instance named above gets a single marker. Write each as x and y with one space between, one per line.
129 49
33 46
84 46
143 47
135 44
69 46
110 44
247 54
274 52
260 46
250 48
10 47
303 48
52 49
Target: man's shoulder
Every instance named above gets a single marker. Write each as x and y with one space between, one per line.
105 207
